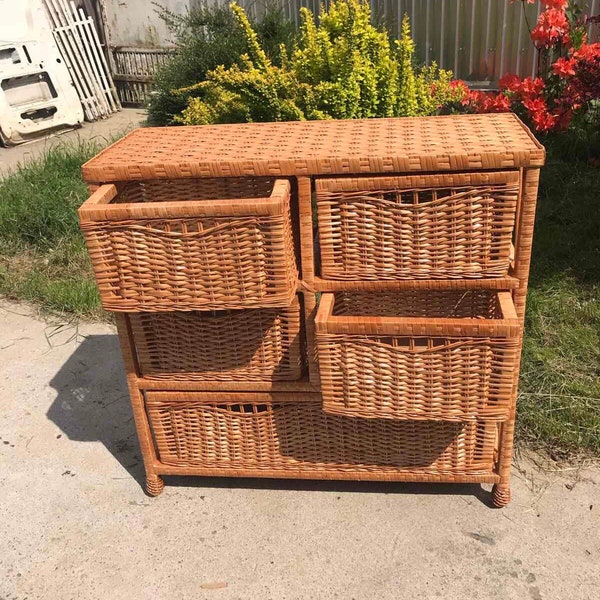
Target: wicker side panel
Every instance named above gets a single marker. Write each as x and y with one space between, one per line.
193 264
292 436
417 378
523 247
416 233
524 238
249 345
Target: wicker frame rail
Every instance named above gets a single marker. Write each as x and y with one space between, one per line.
392 355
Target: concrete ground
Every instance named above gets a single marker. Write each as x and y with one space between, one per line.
117 124
75 523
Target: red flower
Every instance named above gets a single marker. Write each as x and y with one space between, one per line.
541 117
584 85
535 105
558 4
538 113
532 87
588 52
549 107
544 121
473 99
496 103
510 83
459 85
551 28
564 67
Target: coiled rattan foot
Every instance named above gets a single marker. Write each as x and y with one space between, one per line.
154 485
500 495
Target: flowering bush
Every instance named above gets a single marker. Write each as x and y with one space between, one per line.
567 86
341 68
205 37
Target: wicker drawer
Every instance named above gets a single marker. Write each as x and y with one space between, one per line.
418 355
237 433
191 244
250 345
445 226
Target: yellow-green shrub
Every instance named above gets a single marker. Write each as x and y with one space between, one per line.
342 68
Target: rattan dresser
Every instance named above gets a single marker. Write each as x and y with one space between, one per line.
324 299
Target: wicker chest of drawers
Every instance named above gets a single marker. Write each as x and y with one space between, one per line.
325 299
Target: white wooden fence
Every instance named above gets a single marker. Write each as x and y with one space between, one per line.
77 38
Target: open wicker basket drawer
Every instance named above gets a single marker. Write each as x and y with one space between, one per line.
191 244
283 435
262 344
447 355
440 226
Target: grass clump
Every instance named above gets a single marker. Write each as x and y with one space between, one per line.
559 402
43 258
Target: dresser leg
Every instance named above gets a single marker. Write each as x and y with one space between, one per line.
501 494
154 485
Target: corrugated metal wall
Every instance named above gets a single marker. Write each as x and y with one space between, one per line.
479 40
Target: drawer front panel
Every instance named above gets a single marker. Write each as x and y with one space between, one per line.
295 435
422 227
167 246
251 345
418 355
417 378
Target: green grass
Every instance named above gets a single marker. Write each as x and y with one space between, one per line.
559 404
43 260
42 255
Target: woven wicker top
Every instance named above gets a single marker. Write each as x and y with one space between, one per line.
456 142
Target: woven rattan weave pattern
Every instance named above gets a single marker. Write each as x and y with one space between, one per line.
251 345
286 436
390 228
449 143
460 367
403 362
446 304
172 190
188 253
452 379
